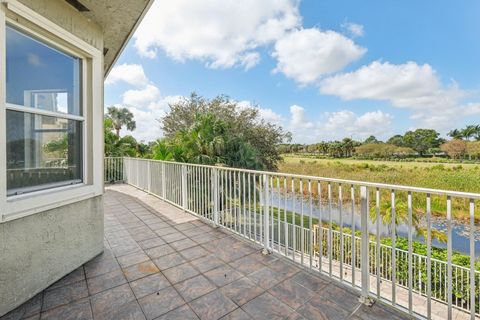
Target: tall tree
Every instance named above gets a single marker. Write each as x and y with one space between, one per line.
455 134
397 140
469 131
121 117
421 140
240 122
455 148
371 139
476 134
348 147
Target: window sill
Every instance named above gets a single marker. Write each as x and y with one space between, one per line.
31 203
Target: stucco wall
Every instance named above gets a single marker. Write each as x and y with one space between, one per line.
41 248
67 17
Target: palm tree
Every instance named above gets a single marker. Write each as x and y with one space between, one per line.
324 147
121 117
455 134
348 147
469 131
476 134
204 142
161 151
401 218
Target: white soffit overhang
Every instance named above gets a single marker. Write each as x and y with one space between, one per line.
118 19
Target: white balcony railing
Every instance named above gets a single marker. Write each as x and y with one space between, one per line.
282 212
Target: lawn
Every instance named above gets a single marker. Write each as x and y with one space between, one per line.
447 176
454 177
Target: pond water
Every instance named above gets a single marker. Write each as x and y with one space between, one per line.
460 231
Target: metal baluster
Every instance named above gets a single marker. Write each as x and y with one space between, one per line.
472 259
364 298
255 206
235 202
262 204
271 212
354 244
429 260
449 257
244 209
266 237
285 216
377 223
310 221
340 212
249 207
279 215
231 200
394 245
294 216
329 229
320 228
410 252
302 238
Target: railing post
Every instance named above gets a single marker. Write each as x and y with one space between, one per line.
266 211
163 181
125 168
215 196
364 258
122 165
149 176
184 187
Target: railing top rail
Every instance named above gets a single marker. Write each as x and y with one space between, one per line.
451 193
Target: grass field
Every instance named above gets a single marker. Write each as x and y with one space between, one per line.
412 164
454 177
447 176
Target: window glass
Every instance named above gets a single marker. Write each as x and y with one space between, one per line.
40 76
42 151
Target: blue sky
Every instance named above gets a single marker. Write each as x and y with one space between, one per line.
321 69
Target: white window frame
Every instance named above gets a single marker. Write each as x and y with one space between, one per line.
31 23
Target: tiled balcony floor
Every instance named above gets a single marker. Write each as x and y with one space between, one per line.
162 263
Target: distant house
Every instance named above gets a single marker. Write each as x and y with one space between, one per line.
54 55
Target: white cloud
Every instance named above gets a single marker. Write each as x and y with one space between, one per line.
337 125
306 54
266 114
34 60
148 126
354 29
148 118
221 33
345 123
303 130
145 101
250 60
271 116
141 97
132 74
298 120
409 85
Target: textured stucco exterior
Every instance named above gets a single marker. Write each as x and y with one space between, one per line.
108 24
67 17
39 249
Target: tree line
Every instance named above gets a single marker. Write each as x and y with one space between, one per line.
220 132
464 143
206 131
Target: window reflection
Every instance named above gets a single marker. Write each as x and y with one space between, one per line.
42 150
41 77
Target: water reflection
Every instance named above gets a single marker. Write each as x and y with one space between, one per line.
460 231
